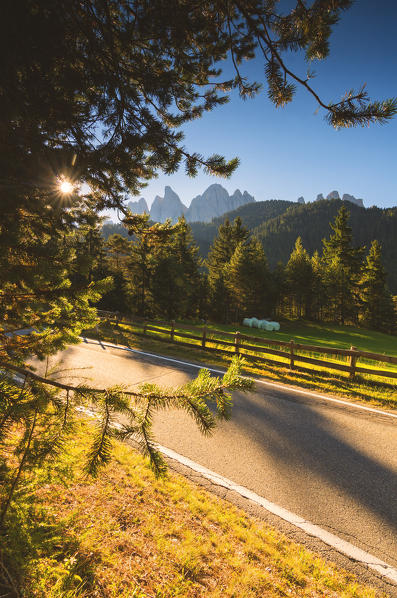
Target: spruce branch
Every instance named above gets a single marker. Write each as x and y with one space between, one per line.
138 406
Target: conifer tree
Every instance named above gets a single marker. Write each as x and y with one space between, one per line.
342 268
299 279
319 294
248 280
175 280
186 251
219 256
90 250
376 303
118 251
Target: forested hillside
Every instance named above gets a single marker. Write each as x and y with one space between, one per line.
311 222
277 224
250 214
205 232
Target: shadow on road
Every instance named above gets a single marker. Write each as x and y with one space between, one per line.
297 434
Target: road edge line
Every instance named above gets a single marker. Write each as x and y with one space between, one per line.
353 552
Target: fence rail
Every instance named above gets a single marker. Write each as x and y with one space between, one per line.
166 331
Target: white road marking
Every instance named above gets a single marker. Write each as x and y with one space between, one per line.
309 528
283 387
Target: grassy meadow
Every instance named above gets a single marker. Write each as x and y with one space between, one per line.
325 335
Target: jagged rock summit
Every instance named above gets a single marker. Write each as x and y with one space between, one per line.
333 195
358 201
138 207
169 206
301 199
215 201
345 197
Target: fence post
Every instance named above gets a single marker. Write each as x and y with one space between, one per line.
237 342
291 355
204 337
172 329
353 361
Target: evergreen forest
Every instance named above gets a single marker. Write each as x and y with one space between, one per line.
333 279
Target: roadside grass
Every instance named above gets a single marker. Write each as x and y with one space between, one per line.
128 535
372 390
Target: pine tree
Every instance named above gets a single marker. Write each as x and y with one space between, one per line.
186 252
219 256
149 240
342 268
175 280
299 278
319 294
90 251
118 252
376 303
248 280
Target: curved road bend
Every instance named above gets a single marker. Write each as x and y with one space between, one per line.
335 466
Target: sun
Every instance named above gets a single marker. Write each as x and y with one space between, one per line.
65 187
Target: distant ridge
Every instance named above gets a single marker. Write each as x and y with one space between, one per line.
277 224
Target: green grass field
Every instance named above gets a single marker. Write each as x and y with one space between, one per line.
325 335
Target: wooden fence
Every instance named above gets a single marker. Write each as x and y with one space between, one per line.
253 348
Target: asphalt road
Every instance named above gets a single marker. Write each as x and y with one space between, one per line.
335 466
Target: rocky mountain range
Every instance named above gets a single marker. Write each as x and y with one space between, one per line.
214 202
345 197
335 195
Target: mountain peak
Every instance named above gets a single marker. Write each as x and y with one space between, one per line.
138 207
169 206
214 202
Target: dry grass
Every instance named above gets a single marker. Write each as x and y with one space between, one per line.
129 535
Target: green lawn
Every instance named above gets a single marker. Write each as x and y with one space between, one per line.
325 335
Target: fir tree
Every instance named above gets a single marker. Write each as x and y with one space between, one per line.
219 256
248 281
376 303
299 279
118 251
319 294
342 268
90 251
175 279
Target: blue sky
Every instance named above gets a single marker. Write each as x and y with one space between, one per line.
289 152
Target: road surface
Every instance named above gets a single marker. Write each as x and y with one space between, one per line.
336 466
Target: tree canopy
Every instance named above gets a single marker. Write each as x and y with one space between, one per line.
97 90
